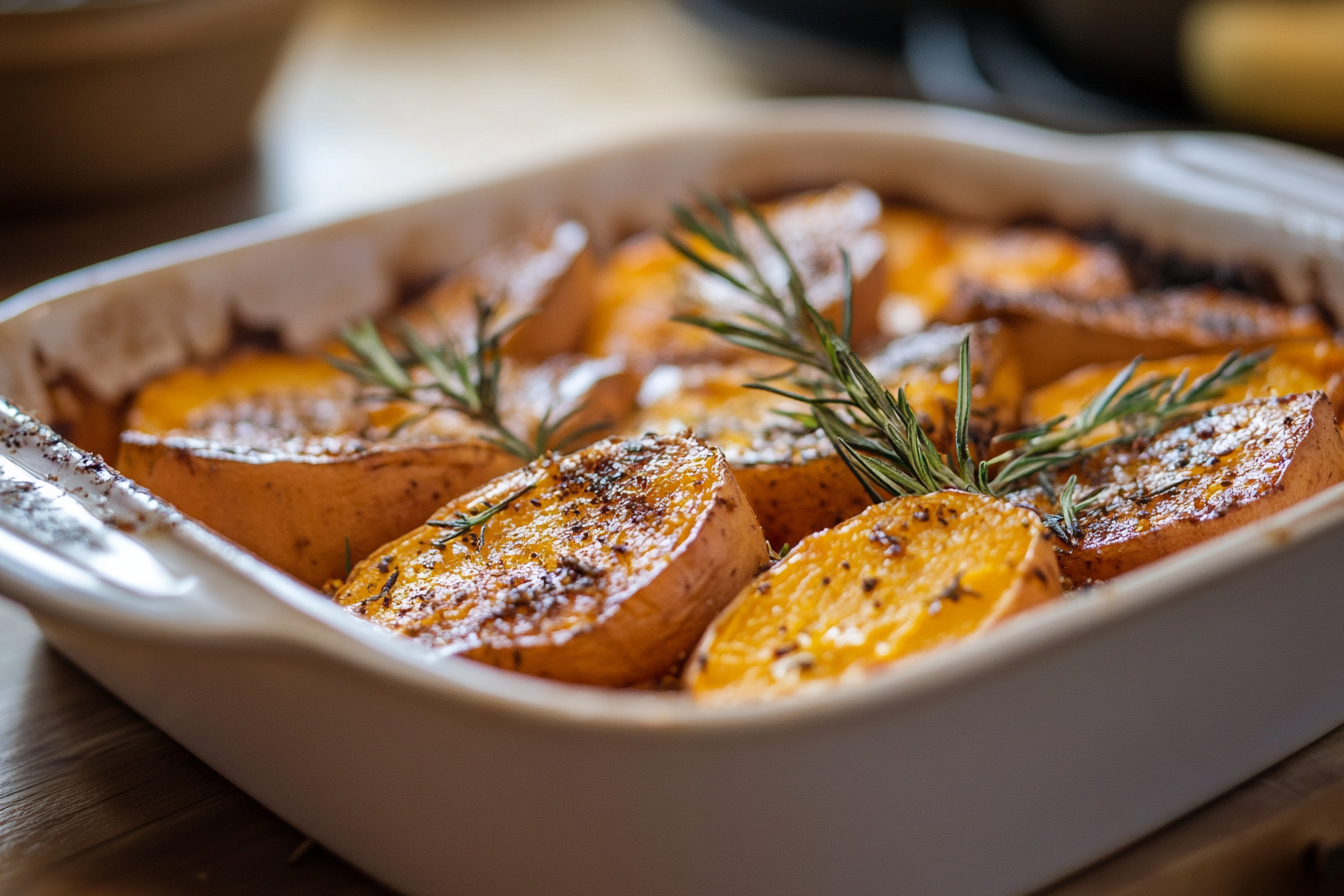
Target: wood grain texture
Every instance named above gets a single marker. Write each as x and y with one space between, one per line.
95 800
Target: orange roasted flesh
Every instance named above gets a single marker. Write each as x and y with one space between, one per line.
931 256
1306 365
546 280
605 572
647 282
900 578
1056 334
287 456
1233 465
792 475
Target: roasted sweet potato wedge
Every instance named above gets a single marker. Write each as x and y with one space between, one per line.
792 476
902 577
931 256
546 280
1306 365
1233 465
605 571
280 454
647 282
1056 334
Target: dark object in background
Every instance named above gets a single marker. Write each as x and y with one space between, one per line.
991 55
100 98
1130 49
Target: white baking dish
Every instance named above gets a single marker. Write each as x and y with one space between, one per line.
991 767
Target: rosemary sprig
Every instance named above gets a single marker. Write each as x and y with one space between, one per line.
878 435
462 523
464 380
1142 410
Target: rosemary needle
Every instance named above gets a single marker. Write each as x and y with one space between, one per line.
460 379
463 523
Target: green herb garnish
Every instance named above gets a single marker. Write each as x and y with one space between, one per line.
466 380
463 523
878 435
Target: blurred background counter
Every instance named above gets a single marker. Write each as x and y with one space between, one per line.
379 98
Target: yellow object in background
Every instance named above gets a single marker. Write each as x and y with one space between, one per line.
1274 66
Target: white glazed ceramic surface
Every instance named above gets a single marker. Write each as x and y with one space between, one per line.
991 767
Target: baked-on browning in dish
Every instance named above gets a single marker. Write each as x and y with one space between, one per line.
1233 465
1056 334
789 472
647 282
603 568
902 577
291 459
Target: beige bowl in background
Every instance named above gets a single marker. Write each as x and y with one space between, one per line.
105 98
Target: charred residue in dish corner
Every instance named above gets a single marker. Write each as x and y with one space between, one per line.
1151 269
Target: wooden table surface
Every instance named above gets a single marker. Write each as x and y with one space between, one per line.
377 97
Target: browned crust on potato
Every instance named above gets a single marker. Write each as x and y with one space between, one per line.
605 573
1234 465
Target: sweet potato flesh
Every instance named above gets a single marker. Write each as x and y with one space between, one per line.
275 391
1300 366
647 282
932 256
570 580
900 578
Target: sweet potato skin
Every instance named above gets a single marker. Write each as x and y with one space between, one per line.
794 499
1056 334
605 573
296 511
902 577
548 278
276 452
1234 465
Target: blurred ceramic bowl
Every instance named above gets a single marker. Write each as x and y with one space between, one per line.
107 97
